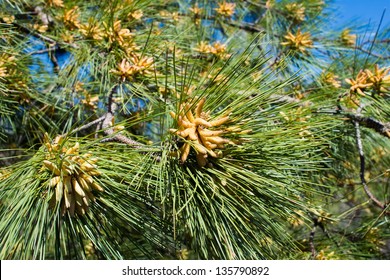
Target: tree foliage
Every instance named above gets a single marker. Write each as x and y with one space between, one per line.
192 130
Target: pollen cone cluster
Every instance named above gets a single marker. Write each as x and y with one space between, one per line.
197 129
360 83
127 69
72 176
299 41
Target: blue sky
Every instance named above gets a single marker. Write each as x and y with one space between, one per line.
363 10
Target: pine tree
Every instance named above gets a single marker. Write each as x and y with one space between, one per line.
192 130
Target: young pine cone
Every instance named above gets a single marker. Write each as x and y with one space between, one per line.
72 177
196 128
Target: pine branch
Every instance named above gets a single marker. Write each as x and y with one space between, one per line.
371 53
384 41
54 60
105 122
41 36
311 240
359 143
50 49
88 125
246 27
368 122
381 128
277 59
108 122
285 98
35 33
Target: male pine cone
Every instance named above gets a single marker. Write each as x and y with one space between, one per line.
72 177
194 128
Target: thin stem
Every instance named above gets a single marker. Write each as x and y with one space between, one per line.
384 41
368 122
371 53
35 33
105 123
246 27
44 50
54 60
43 37
277 59
311 241
362 169
382 128
88 125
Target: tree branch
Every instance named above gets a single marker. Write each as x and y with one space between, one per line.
311 241
50 49
362 170
381 128
88 125
35 33
106 124
246 27
371 53
44 38
276 60
383 41
285 98
368 122
54 60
